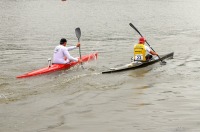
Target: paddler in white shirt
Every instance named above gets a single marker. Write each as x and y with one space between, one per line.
141 51
61 53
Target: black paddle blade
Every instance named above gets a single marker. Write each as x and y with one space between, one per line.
78 32
135 29
163 62
132 25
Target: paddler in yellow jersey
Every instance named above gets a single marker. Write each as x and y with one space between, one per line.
141 51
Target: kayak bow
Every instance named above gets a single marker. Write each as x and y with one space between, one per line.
56 67
136 65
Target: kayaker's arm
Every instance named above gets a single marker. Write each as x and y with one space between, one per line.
150 51
68 56
153 53
73 47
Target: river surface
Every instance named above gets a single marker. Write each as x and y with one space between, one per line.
153 99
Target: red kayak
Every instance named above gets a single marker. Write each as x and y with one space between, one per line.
56 67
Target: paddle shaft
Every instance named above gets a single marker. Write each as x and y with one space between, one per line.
78 35
145 40
79 49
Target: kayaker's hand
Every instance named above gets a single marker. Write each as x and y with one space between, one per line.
78 44
65 58
153 53
80 60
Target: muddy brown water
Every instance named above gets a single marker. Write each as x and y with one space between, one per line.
152 99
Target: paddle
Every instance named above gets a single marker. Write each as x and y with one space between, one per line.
78 35
162 61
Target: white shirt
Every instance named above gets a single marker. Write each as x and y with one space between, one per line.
60 52
147 48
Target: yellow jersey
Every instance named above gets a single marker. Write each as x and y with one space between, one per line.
139 52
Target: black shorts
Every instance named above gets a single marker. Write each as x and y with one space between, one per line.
149 57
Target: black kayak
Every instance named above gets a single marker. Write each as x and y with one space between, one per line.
136 65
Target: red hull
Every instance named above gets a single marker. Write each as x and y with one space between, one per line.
56 67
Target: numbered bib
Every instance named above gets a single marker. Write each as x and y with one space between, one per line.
139 57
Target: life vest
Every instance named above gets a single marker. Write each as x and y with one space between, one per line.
139 52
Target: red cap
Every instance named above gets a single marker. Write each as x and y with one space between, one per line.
142 40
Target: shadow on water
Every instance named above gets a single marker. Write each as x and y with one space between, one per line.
142 72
